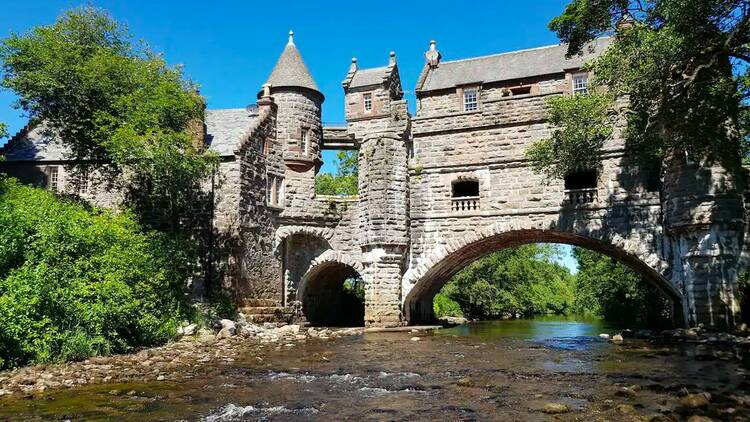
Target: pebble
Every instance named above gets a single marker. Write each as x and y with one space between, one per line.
415 338
694 401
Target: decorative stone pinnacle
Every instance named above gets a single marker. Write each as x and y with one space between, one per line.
291 37
392 59
353 66
266 90
433 55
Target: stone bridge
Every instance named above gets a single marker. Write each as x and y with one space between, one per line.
451 184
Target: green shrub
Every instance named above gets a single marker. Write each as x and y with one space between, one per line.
444 306
76 282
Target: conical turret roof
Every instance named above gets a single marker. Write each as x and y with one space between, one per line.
290 69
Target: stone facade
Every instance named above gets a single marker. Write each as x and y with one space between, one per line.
276 243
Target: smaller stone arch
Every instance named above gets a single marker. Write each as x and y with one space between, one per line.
321 290
287 231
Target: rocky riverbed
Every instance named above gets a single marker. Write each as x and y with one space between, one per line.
196 348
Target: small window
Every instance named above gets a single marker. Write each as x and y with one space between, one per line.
471 97
306 140
367 100
465 188
580 84
53 183
521 90
83 180
581 180
275 191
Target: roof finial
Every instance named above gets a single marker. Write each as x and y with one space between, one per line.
291 37
392 59
353 66
432 55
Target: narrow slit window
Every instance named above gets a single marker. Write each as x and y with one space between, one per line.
367 100
471 97
465 189
306 140
580 84
83 180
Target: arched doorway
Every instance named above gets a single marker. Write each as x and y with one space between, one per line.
421 288
332 294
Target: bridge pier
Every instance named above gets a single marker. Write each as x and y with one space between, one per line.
382 275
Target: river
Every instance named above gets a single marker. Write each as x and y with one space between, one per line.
499 370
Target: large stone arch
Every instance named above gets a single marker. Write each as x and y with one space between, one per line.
283 232
427 276
320 290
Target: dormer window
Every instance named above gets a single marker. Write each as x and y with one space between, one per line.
471 99
581 84
367 101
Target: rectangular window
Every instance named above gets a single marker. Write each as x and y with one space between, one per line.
470 99
367 99
280 191
275 191
83 180
53 183
580 84
306 140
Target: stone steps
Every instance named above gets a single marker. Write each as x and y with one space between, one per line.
262 314
263 303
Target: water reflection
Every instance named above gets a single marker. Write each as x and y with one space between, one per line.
541 328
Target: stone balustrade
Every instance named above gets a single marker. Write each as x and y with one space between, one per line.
581 196
465 204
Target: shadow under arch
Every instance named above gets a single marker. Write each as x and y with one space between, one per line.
418 302
325 302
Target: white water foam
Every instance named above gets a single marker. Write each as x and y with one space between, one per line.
232 412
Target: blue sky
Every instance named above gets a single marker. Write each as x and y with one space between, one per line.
230 47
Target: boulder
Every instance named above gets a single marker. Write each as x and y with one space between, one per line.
190 330
694 401
556 408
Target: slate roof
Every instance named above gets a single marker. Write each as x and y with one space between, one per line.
224 131
225 127
368 77
291 71
33 143
507 66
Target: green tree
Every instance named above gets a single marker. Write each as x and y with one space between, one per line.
524 280
344 182
110 99
609 289
682 66
76 282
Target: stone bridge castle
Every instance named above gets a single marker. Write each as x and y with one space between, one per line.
436 190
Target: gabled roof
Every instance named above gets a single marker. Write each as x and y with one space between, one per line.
290 70
507 66
369 77
226 127
35 143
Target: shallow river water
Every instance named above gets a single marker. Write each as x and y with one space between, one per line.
500 370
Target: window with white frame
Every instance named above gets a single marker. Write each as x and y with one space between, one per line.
83 180
471 97
580 84
53 183
367 101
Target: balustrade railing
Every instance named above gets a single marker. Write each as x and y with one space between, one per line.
465 204
581 196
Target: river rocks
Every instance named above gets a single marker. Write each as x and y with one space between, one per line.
694 401
604 336
415 338
628 392
189 330
465 382
556 408
625 408
697 418
171 362
617 338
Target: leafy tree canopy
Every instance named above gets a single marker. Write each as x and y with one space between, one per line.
682 66
110 99
344 182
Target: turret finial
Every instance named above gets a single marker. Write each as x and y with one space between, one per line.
353 66
392 59
291 37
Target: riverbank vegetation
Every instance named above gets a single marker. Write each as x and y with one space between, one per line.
529 280
76 281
